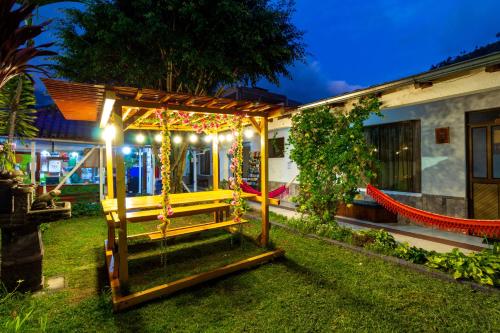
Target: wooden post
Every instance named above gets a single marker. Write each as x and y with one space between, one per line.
215 161
120 200
109 168
264 186
101 173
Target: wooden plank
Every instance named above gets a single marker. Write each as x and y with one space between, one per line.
169 288
149 215
121 202
264 180
184 231
135 120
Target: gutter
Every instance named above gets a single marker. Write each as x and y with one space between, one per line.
484 61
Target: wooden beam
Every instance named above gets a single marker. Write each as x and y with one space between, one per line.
200 109
277 112
264 184
140 115
492 68
120 199
255 124
121 303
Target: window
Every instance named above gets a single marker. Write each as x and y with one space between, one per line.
276 147
398 151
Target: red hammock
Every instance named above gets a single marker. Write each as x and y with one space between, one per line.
482 228
273 194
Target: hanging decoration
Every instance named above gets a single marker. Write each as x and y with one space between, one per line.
236 180
167 211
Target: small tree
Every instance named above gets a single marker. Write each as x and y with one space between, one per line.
332 155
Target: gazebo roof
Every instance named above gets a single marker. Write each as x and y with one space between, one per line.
79 101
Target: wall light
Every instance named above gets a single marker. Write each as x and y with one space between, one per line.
177 139
126 150
140 138
45 153
109 133
109 102
158 137
193 138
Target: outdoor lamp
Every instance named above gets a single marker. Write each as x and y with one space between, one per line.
177 139
109 133
74 154
109 102
229 137
126 150
207 138
140 138
248 133
221 138
193 138
158 137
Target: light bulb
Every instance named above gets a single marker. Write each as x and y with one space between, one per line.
177 139
109 132
140 138
158 137
126 150
193 138
249 133
207 138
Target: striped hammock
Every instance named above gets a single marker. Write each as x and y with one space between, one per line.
481 228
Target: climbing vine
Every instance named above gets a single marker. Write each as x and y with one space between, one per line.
235 181
165 149
333 157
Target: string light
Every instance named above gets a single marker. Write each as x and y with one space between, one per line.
193 138
158 137
248 133
140 138
207 138
229 138
177 139
221 138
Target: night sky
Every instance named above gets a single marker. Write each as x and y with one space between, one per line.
354 44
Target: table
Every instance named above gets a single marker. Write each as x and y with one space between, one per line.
154 201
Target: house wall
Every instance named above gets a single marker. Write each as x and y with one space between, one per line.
443 166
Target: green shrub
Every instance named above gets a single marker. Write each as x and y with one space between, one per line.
482 267
411 253
82 209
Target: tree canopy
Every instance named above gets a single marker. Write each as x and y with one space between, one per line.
193 46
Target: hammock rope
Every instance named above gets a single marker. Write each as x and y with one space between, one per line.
283 189
481 228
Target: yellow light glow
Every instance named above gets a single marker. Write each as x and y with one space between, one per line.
140 138
177 139
229 137
106 111
193 138
222 138
109 133
249 133
207 138
158 137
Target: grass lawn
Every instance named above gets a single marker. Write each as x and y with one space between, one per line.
316 287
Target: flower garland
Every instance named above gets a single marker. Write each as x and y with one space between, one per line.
199 122
235 181
163 116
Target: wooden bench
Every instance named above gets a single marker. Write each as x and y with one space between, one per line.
148 215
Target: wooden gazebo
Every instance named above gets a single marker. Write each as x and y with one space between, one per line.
133 108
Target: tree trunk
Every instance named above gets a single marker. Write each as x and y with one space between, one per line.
177 168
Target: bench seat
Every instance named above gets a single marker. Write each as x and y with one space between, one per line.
152 214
